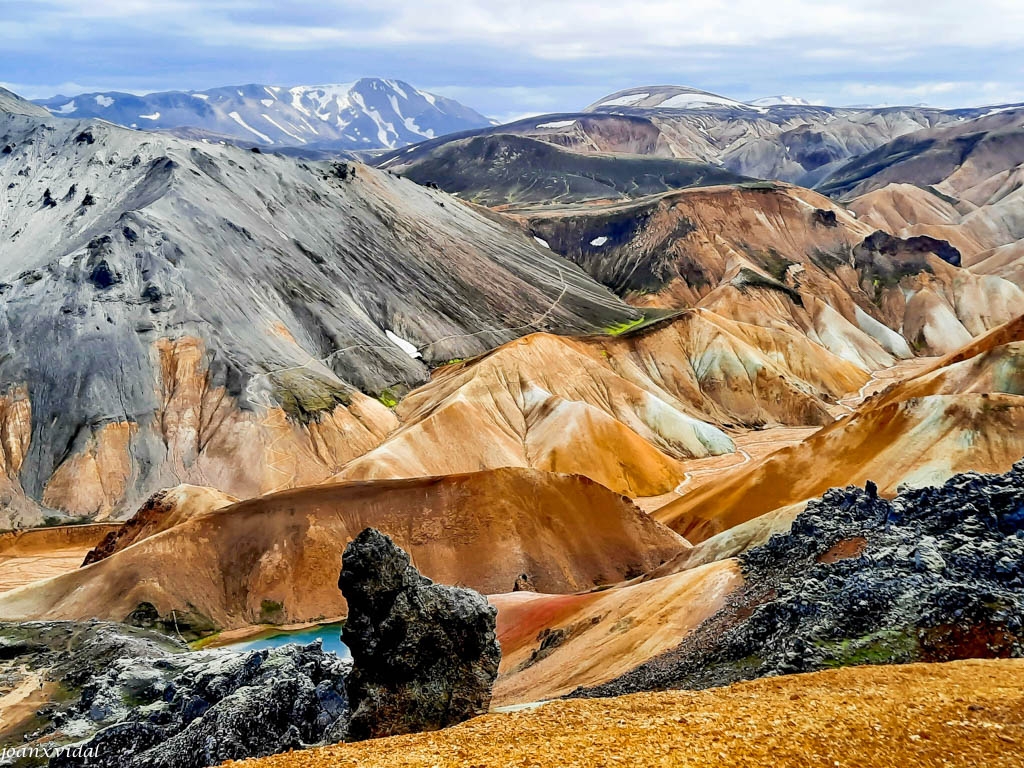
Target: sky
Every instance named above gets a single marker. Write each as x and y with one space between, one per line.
509 58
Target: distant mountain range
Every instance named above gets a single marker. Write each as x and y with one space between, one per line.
371 113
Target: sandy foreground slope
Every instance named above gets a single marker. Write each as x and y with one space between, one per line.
965 713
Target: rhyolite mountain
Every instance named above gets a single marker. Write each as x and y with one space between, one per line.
781 138
372 113
177 311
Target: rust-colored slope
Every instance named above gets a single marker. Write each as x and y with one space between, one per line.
918 441
552 644
908 210
670 250
39 553
277 558
163 510
963 413
810 265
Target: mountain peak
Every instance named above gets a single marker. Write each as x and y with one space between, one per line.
370 113
780 101
666 97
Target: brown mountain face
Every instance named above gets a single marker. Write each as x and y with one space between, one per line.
786 257
622 411
960 183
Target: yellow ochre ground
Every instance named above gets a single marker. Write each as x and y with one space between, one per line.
968 713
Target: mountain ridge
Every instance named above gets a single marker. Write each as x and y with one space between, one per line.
370 113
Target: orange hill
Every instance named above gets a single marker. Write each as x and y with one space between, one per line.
622 411
276 559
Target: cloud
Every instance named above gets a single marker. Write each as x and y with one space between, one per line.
527 55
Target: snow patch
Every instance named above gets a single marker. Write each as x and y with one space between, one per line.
238 119
780 101
154 116
103 101
406 346
558 124
67 109
599 241
201 96
543 243
282 129
698 100
267 102
624 101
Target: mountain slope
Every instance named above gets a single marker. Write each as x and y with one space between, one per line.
962 183
966 413
371 113
176 312
506 170
621 411
276 559
782 257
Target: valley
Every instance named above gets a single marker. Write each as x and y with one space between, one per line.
671 393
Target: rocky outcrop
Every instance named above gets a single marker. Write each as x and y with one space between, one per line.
937 574
425 655
196 710
139 699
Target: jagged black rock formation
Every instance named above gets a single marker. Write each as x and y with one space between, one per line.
141 700
936 574
425 655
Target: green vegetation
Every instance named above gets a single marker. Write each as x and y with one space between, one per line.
620 328
305 396
650 318
889 646
388 398
271 612
53 521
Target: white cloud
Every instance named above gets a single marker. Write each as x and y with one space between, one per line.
568 29
592 43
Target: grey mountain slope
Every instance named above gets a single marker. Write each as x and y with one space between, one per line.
13 104
371 113
505 169
928 157
112 240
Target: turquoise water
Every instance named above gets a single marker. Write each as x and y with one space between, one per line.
330 634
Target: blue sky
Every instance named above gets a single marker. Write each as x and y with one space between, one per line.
508 58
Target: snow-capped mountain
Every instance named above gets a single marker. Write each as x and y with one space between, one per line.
371 113
666 97
780 101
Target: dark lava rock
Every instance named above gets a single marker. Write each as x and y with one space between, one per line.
425 655
200 709
825 218
937 574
